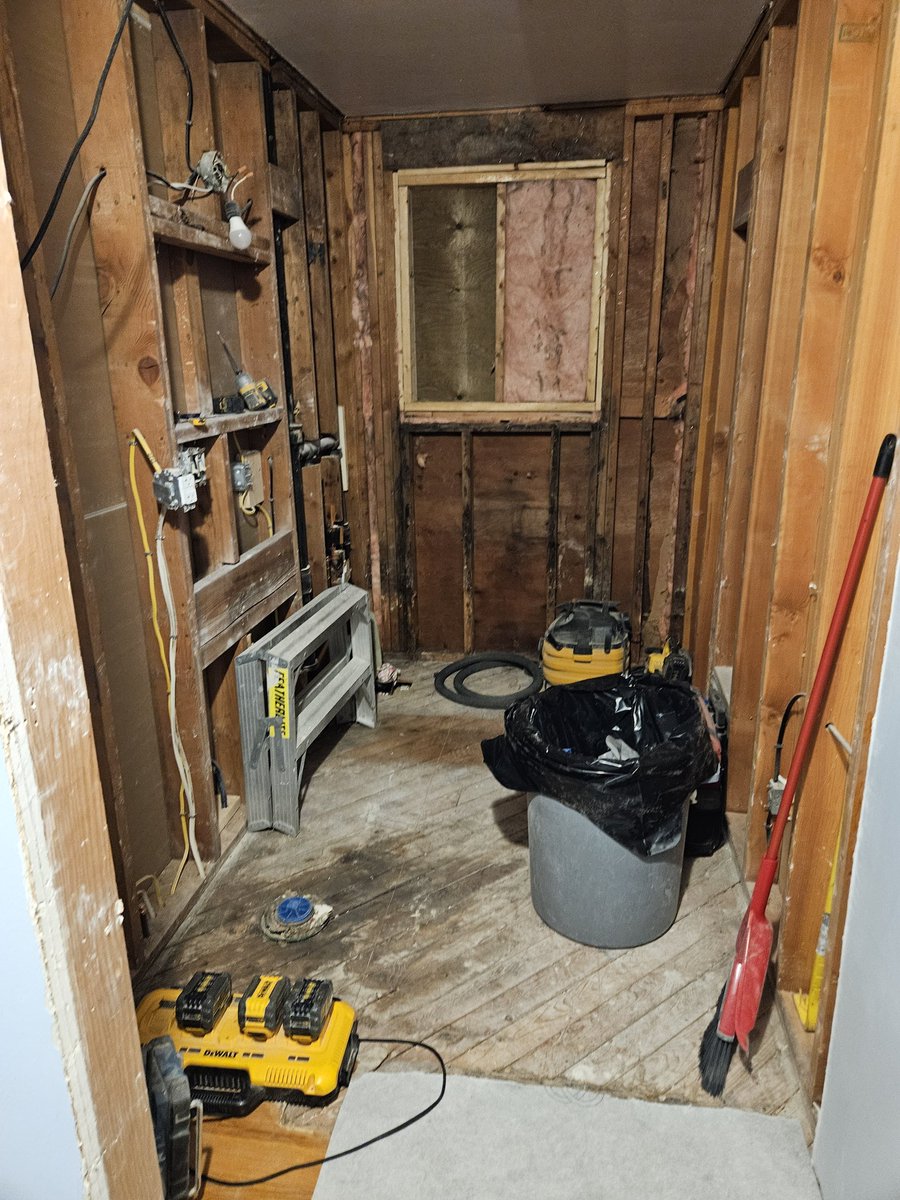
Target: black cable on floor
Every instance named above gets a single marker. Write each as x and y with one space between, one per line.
318 1162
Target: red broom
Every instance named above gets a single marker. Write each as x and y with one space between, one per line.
738 1005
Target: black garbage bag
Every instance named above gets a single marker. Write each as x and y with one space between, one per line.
624 750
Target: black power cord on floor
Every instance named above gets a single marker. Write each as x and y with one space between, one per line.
473 664
318 1162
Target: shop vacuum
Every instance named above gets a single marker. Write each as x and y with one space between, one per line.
590 639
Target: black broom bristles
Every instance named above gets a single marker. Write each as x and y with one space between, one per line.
715 1054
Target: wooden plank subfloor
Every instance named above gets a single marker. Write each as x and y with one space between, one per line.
425 860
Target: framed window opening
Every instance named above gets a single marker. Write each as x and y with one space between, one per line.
501 280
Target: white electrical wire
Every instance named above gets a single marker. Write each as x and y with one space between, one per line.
70 232
177 744
199 192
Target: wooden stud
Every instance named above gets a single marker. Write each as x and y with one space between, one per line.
300 334
768 170
836 241
642 520
381 222
597 327
358 246
71 508
500 293
338 184
138 372
213 522
468 542
383 482
596 443
409 563
320 295
171 91
705 233
51 762
607 501
866 409
788 301
700 516
721 382
553 527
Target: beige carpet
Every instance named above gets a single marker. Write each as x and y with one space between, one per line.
493 1139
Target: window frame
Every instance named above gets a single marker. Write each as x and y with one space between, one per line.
412 409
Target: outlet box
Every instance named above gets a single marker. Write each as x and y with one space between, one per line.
256 492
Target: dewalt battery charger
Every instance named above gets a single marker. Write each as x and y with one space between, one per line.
275 1041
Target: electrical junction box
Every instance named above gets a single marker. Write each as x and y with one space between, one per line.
175 489
252 460
241 476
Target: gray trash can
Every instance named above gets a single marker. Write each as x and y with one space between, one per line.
589 888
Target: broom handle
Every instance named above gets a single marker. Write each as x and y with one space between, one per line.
824 671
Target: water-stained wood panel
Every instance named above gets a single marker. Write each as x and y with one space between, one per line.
679 276
641 255
573 504
511 482
437 499
453 249
549 272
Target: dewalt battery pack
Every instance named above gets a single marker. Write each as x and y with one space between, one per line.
587 640
307 1008
202 1002
260 1007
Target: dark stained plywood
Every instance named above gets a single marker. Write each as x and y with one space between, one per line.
626 512
453 244
574 504
511 485
641 252
679 276
667 443
437 489
474 139
548 284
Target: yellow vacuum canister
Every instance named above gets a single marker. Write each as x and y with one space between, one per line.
588 639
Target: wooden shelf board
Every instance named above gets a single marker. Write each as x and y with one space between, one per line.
187 431
182 226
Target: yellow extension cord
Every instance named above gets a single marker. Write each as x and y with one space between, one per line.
136 440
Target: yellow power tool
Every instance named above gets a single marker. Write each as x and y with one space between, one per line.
275 1041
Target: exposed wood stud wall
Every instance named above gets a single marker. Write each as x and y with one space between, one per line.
561 490
719 386
168 280
768 170
824 378
640 588
50 761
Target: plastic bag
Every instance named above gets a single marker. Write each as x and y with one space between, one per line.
624 750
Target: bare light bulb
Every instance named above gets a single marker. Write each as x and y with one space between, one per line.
238 233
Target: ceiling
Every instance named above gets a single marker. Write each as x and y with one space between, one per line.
398 56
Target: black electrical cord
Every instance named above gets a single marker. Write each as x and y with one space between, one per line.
318 1162
189 119
463 668
82 138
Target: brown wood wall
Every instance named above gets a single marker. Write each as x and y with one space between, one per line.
475 528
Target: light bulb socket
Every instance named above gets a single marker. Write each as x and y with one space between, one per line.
232 209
